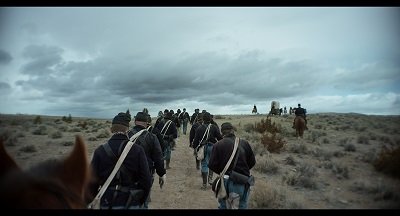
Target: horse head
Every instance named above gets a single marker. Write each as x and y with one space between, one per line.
52 184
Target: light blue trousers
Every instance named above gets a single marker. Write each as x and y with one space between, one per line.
234 199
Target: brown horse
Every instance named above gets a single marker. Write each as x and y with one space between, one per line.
52 184
300 125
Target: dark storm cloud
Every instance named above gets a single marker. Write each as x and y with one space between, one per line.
371 76
5 57
248 77
41 59
72 60
4 86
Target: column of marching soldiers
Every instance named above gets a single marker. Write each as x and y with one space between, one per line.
131 186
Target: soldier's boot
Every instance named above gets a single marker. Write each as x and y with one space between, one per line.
167 162
197 164
204 176
210 177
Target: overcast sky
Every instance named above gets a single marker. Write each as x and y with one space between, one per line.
98 61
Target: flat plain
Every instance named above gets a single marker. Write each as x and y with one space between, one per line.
331 167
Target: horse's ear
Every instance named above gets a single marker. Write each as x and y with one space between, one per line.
6 161
75 172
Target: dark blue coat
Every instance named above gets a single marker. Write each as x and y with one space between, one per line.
135 162
222 151
213 136
171 132
153 151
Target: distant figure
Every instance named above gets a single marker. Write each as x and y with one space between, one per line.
161 117
254 109
176 116
300 112
178 126
199 122
169 133
194 116
284 110
185 118
155 131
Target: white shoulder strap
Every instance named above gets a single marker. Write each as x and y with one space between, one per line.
206 132
165 125
230 159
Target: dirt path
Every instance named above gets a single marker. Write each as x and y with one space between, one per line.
182 187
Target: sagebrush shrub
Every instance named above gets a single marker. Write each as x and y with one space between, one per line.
338 154
325 155
299 148
341 170
327 164
14 123
349 147
63 128
266 195
343 142
55 135
218 117
67 143
76 129
318 126
37 120
83 124
8 137
269 139
381 190
369 156
28 148
363 139
41 130
266 164
267 125
67 119
248 128
290 160
306 177
270 142
92 139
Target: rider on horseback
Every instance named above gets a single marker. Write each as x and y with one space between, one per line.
254 109
300 112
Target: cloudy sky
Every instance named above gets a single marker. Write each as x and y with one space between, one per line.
98 61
